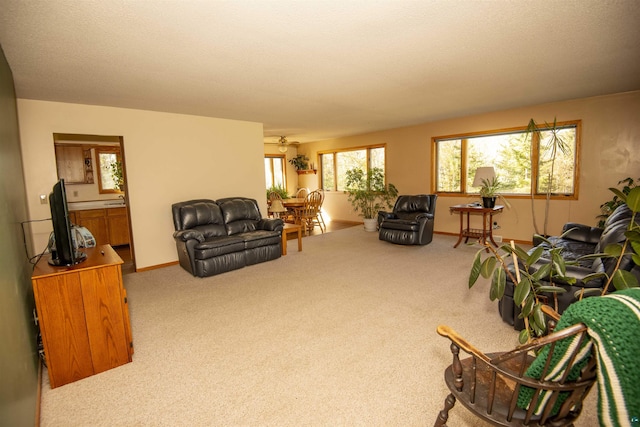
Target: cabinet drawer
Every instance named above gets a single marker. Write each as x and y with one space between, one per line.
116 211
90 213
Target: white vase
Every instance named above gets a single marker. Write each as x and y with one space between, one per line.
370 224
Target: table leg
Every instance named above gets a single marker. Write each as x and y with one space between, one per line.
491 229
284 242
299 240
461 231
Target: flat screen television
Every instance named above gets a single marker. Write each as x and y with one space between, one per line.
63 251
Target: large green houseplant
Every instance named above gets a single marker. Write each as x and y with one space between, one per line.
368 193
496 266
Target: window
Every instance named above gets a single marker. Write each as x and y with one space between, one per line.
110 177
523 161
274 171
335 164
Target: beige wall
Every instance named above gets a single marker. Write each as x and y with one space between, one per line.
169 158
610 147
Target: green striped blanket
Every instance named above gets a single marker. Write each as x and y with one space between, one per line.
613 323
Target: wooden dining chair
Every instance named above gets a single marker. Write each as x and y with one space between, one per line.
302 192
499 388
309 213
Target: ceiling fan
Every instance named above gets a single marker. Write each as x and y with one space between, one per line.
283 143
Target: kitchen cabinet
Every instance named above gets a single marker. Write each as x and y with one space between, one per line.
83 315
74 164
96 221
118 226
108 225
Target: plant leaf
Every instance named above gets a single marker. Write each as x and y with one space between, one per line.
528 306
475 269
523 336
613 249
552 289
521 291
633 199
543 272
538 317
488 266
623 279
587 292
535 255
498 283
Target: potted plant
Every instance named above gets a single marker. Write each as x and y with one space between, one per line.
549 148
368 194
300 162
282 192
489 192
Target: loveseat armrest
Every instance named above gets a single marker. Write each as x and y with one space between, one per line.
582 233
186 235
270 224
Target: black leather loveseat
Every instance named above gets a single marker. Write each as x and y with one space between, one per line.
213 237
411 222
579 241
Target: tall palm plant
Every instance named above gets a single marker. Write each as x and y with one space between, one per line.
550 146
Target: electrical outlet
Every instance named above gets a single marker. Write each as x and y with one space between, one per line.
498 239
43 199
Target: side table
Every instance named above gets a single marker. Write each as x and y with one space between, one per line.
291 228
483 235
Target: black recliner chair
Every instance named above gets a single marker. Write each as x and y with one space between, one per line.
411 222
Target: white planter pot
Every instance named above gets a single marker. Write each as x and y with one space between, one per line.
370 224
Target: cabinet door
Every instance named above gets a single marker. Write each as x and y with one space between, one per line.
118 225
62 323
71 164
103 299
96 222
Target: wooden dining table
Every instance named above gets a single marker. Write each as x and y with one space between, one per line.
294 204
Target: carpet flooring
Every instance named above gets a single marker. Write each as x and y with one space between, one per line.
340 334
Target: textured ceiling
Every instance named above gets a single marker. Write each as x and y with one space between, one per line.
318 69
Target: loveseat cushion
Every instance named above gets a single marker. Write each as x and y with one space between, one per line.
203 215
258 238
240 215
218 246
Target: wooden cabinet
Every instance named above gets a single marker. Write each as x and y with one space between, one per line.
108 225
83 316
118 226
96 221
74 164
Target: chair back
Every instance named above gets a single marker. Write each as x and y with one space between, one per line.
516 388
274 196
302 192
312 203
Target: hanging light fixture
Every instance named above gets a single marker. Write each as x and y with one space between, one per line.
283 144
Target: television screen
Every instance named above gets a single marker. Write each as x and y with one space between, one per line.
64 252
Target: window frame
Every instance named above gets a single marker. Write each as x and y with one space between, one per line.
283 159
107 150
535 160
335 152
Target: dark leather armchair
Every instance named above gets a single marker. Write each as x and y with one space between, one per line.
580 240
411 222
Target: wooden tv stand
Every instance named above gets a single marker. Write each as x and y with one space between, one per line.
83 315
